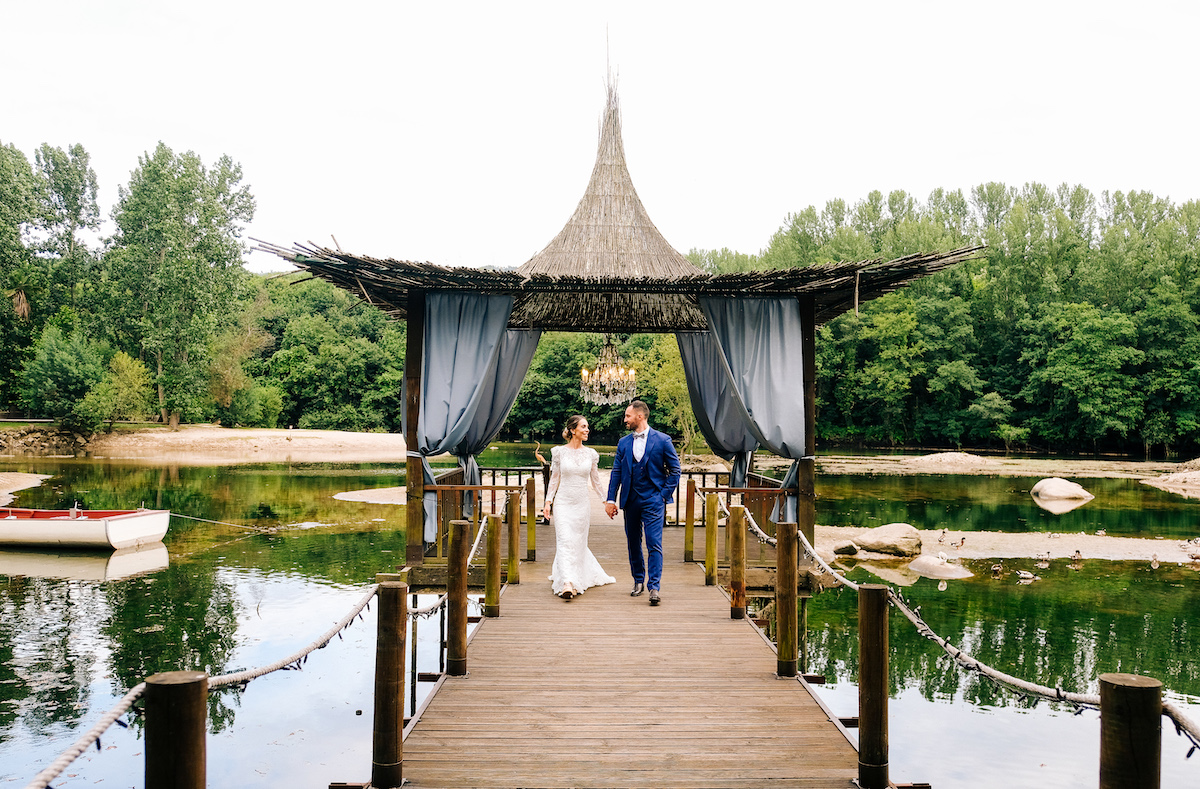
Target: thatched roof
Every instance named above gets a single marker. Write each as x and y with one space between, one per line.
610 270
602 304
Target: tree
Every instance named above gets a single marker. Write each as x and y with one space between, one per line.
172 271
62 371
1081 379
124 393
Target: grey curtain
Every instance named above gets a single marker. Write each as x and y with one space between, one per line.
759 344
473 369
719 412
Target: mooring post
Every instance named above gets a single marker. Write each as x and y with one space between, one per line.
873 686
689 522
491 591
530 520
456 598
514 537
710 539
736 527
1130 732
785 599
802 626
176 722
387 753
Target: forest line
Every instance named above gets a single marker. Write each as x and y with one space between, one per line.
1075 330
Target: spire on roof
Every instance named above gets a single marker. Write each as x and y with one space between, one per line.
610 234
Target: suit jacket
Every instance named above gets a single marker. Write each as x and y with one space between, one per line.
662 468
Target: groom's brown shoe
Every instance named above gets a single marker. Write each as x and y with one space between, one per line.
654 597
637 590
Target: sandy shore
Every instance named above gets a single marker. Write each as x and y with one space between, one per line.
12 481
207 445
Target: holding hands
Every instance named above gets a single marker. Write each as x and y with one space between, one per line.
610 509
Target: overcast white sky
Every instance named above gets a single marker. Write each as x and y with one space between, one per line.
464 133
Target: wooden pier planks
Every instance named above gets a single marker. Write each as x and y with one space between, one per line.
606 691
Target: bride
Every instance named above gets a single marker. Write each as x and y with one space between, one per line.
571 467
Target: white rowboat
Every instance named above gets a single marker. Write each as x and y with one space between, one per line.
76 528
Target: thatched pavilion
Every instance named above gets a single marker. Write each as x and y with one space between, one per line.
610 270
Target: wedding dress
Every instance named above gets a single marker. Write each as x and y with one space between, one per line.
570 472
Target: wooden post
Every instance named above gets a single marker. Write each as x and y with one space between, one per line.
807 496
873 686
456 598
176 723
414 553
514 537
736 528
710 539
387 754
531 520
802 627
785 599
1130 732
689 522
491 592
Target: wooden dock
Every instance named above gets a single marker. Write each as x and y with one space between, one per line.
607 691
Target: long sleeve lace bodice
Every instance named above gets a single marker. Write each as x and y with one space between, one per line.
583 459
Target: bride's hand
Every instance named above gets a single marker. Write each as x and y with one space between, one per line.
546 511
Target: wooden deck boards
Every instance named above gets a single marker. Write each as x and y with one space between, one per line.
606 691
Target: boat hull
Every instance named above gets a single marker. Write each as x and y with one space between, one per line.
82 528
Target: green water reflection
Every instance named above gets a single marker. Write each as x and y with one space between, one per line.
981 503
233 597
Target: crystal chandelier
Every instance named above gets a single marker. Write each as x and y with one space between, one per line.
610 382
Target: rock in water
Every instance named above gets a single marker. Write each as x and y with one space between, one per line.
1059 488
897 539
1058 495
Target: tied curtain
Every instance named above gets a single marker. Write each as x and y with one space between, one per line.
746 383
473 367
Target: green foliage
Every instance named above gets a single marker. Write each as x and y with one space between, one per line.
336 362
123 393
172 274
62 371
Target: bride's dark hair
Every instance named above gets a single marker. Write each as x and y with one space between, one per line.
572 423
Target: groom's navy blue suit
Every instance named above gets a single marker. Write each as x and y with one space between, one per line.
646 486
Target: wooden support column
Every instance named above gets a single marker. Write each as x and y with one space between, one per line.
176 726
514 537
807 514
387 754
456 598
710 539
873 686
414 553
689 522
491 591
736 528
785 599
1130 732
531 520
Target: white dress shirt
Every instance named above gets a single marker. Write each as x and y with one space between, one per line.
639 444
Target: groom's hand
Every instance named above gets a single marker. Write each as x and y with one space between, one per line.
610 509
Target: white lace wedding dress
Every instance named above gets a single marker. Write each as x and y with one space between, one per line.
570 472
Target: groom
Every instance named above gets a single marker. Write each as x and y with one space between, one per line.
646 471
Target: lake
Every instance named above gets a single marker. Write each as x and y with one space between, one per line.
233 597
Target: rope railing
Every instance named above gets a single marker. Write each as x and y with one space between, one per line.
433 607
1184 726
295 660
64 760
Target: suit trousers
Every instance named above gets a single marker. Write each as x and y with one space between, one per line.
645 515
